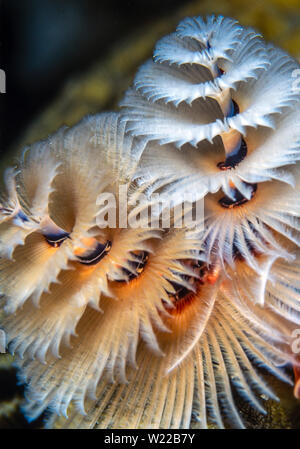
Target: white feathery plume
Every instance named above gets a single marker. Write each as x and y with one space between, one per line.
193 172
111 337
200 384
234 229
190 81
185 101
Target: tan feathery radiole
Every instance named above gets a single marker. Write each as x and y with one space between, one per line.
151 326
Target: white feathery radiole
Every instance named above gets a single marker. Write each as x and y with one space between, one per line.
139 326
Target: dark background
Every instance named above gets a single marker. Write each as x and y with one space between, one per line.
43 42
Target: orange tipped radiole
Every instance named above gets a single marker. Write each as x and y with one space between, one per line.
121 319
